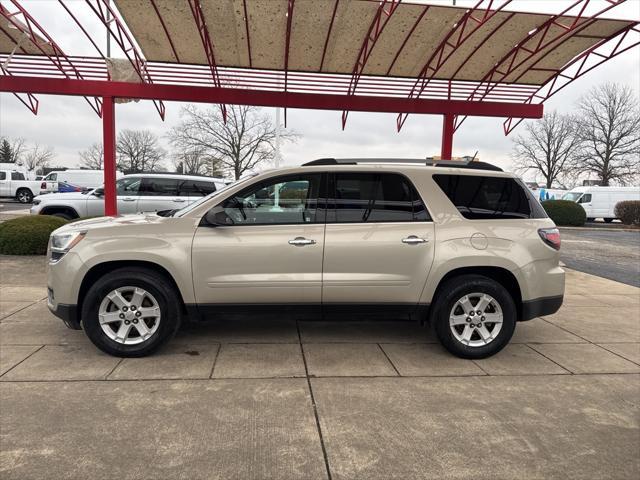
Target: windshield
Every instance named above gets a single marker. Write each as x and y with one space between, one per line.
188 208
572 196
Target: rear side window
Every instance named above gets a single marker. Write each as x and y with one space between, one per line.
17 176
195 188
376 197
478 198
159 187
3 176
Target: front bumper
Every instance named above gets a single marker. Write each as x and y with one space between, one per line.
540 307
67 313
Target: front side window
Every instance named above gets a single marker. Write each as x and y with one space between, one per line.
128 186
478 197
17 176
586 198
159 187
376 197
281 200
3 176
52 177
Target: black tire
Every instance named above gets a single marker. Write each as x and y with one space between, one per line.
24 195
608 220
590 219
151 281
66 216
455 289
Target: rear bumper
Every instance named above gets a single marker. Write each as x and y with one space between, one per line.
540 307
67 313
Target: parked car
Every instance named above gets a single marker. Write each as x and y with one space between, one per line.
73 180
600 202
148 192
14 185
464 247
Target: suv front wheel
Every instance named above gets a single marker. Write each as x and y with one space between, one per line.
474 316
131 312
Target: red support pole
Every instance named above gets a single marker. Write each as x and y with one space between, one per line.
448 121
109 146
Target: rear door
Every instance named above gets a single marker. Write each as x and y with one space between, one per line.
5 185
379 245
159 193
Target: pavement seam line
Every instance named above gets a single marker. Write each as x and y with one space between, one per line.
617 354
24 359
106 377
23 308
215 359
551 359
389 360
313 405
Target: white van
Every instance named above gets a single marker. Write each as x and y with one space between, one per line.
73 180
599 202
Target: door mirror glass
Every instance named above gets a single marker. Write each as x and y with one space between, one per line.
218 217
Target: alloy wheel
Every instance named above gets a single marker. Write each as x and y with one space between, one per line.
129 315
476 319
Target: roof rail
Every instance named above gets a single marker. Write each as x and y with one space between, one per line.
432 163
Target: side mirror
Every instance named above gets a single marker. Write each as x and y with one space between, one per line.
217 217
98 192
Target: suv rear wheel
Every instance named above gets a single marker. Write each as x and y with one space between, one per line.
24 195
474 317
131 312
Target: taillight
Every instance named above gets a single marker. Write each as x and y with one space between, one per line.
550 236
43 185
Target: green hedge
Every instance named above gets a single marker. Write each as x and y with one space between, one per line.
565 212
28 235
628 211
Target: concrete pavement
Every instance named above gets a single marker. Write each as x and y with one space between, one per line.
306 400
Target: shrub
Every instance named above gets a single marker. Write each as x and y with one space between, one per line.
628 211
27 235
565 212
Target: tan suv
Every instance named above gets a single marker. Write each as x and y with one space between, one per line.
463 247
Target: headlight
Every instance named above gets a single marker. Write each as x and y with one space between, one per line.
61 243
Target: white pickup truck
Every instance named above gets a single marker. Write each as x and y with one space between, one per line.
14 185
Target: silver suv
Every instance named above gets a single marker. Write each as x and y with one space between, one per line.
143 192
463 247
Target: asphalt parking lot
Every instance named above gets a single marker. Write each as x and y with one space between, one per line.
607 252
317 400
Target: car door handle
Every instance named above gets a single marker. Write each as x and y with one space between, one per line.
301 241
413 240
128 199
179 200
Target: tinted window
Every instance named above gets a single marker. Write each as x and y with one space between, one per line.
195 188
478 197
376 197
17 176
3 176
159 187
128 186
282 200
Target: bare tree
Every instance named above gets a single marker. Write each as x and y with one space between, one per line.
196 162
37 158
11 150
548 148
241 144
608 127
92 157
139 151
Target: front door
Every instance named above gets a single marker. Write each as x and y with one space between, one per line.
379 245
127 192
271 250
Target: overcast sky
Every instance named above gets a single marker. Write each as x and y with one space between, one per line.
68 125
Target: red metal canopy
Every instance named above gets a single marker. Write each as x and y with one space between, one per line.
363 55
